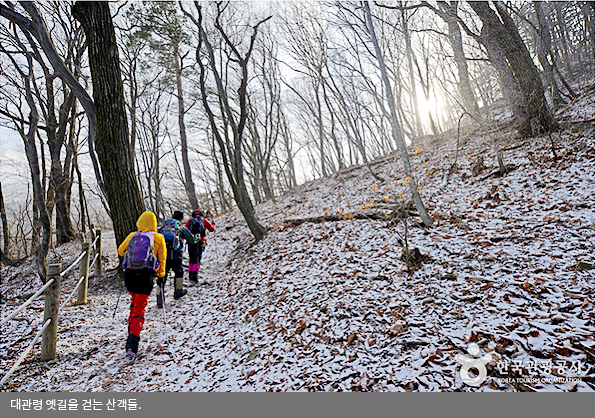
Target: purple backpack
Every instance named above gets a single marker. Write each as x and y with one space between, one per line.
140 254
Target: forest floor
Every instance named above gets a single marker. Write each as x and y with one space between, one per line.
332 306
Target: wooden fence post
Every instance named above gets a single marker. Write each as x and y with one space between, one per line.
52 306
97 265
84 271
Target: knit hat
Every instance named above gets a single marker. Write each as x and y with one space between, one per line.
178 215
196 212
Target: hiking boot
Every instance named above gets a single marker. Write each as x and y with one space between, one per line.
131 346
194 280
178 293
130 355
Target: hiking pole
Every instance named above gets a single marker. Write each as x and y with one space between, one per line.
165 319
117 303
215 242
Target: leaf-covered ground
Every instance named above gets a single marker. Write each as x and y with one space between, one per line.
331 306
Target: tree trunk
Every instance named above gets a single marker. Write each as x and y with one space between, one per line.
188 182
69 163
287 141
41 251
563 33
509 86
225 205
588 8
59 176
456 42
419 132
81 197
320 126
538 118
333 134
5 230
112 142
396 129
546 58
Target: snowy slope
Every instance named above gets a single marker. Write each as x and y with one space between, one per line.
331 306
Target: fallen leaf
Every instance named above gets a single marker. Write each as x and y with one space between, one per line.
397 328
253 311
574 295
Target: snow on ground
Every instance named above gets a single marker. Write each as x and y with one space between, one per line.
331 306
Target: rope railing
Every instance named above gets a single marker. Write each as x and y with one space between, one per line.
27 303
95 242
94 259
52 299
24 354
74 263
72 293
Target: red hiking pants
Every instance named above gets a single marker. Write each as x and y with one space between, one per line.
136 319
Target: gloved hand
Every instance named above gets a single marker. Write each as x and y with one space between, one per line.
160 281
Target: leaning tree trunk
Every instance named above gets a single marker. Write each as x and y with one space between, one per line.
5 231
396 129
501 26
112 141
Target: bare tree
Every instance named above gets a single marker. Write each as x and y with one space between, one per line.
33 159
307 44
54 116
160 24
396 129
152 116
230 136
264 117
35 25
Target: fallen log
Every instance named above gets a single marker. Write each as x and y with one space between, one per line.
371 215
8 261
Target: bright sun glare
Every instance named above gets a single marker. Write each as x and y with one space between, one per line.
425 105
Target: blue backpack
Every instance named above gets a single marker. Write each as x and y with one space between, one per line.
140 253
171 233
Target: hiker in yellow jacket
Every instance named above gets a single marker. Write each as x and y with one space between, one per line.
145 254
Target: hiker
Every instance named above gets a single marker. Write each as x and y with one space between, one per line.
144 253
198 226
171 231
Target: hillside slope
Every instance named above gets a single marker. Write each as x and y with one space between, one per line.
332 306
